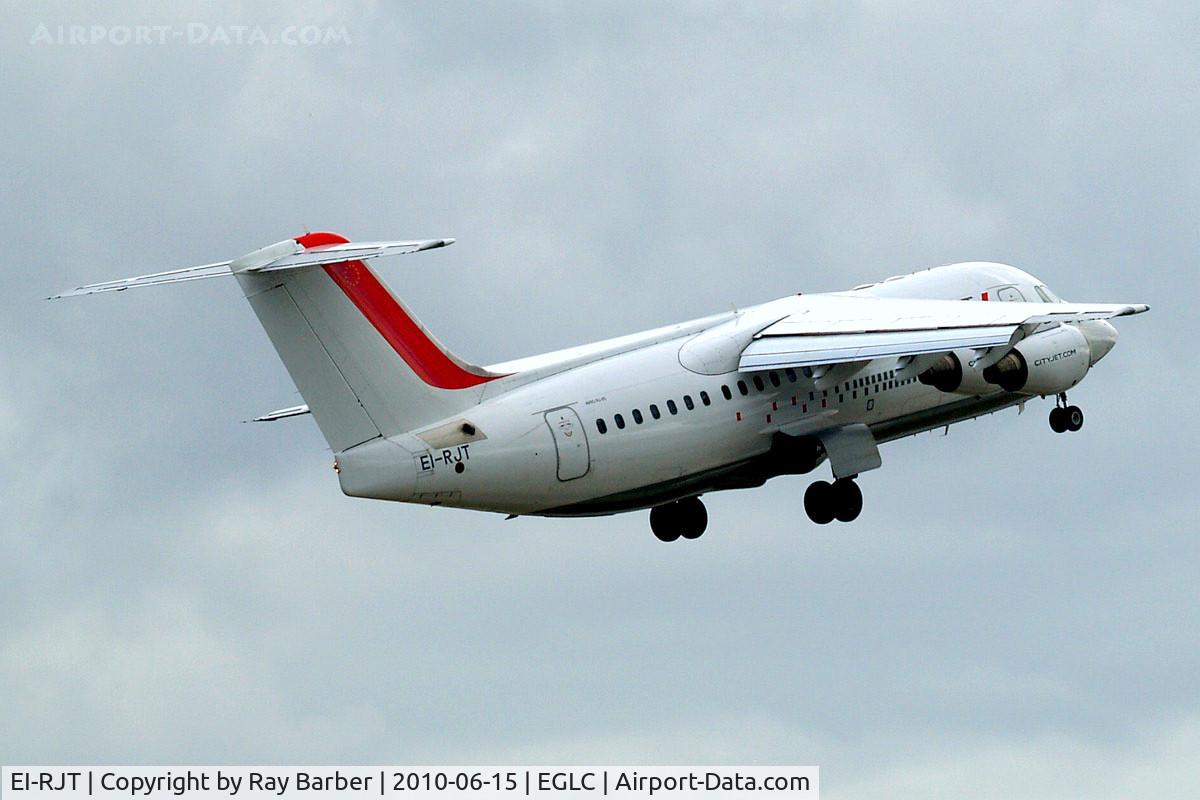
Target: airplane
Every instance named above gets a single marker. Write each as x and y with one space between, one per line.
656 419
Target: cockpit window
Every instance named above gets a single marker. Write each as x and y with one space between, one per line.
1047 295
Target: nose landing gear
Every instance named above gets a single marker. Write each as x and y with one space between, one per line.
841 500
1064 417
687 518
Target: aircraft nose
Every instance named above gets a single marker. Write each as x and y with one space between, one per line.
1101 337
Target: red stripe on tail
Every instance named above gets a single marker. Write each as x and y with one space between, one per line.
423 355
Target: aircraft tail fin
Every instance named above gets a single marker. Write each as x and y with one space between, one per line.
362 362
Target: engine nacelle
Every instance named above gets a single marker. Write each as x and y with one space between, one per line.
956 372
1046 363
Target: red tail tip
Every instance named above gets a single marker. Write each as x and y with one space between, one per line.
318 238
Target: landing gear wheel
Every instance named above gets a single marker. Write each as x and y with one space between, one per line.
693 518
1058 421
847 500
1073 418
663 523
819 502
687 518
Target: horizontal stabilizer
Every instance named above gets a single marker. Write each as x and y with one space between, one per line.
351 251
294 257
214 270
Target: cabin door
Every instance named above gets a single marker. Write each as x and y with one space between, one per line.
570 441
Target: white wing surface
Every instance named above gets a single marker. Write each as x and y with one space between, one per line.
837 329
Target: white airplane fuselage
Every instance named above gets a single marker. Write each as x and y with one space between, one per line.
658 418
647 419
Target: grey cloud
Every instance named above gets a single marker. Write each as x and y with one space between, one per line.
181 587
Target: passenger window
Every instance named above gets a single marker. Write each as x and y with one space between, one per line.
617 418
728 395
704 399
637 416
758 383
742 388
654 412
791 374
774 378
687 401
674 409
601 426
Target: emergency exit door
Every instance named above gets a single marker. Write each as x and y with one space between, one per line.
570 442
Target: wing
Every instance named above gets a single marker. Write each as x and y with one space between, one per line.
287 254
838 329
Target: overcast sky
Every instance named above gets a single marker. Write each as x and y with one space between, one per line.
1014 614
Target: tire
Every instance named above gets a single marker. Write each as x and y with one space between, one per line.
664 522
847 500
693 518
1073 418
818 502
1058 420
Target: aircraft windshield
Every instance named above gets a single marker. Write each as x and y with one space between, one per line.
1047 295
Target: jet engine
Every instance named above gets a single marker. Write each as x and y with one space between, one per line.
1046 363
956 372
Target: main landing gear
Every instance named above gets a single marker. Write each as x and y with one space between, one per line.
841 500
1064 417
687 518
